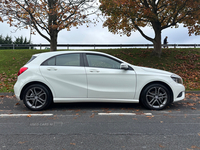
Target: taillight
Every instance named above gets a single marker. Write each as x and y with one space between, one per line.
21 70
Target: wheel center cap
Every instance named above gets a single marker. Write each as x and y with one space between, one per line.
156 96
36 97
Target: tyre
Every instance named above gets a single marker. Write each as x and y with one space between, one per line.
155 96
37 97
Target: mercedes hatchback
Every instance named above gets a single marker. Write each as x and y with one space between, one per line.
87 76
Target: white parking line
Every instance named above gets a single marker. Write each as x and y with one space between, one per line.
124 114
26 115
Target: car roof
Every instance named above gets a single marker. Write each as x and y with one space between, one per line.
54 53
65 52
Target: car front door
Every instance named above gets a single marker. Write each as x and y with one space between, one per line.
106 80
66 75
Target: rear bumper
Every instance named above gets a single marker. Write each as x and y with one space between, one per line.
17 90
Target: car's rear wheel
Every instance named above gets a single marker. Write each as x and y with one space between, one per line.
37 97
155 96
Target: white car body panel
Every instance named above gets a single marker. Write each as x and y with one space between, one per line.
72 100
110 83
66 81
147 75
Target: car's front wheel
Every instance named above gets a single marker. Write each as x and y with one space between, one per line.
155 96
37 97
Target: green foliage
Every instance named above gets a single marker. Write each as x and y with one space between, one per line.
18 40
21 40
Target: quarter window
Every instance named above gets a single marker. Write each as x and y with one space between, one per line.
102 61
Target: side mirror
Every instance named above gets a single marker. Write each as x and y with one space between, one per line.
124 66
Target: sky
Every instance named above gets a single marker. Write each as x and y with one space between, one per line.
99 35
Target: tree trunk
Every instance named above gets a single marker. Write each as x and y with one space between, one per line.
53 43
157 44
157 48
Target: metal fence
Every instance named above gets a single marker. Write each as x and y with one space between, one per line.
68 46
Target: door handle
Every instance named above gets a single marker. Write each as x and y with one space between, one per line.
50 69
94 70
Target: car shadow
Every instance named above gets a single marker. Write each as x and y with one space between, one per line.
96 106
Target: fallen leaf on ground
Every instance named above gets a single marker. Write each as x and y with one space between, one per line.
150 117
92 116
191 104
195 147
193 108
161 146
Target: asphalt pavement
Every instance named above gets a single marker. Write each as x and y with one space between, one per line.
100 126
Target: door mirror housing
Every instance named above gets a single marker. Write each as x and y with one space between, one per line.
124 66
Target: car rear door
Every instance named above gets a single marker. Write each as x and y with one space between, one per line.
66 75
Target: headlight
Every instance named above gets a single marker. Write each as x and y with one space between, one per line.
177 78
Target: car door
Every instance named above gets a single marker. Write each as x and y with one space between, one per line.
106 79
66 75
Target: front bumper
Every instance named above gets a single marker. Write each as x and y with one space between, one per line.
179 92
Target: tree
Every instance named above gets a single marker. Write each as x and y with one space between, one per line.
50 16
125 16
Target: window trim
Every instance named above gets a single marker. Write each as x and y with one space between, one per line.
81 60
87 64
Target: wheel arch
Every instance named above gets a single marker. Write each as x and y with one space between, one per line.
34 82
160 82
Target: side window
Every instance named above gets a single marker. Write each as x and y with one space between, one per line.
50 62
102 61
68 60
63 60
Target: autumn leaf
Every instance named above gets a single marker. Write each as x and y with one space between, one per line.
195 147
77 110
193 108
92 116
161 146
21 142
150 117
191 104
29 116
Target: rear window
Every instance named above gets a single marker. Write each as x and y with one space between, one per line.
32 58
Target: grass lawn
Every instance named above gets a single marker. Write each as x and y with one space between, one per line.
184 62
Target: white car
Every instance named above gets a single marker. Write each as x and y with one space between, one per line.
87 76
